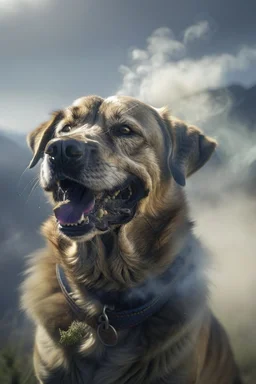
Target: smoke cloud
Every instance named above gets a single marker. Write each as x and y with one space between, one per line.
163 72
222 194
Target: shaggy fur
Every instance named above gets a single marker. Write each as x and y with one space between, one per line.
182 343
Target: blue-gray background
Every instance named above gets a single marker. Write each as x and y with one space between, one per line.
198 57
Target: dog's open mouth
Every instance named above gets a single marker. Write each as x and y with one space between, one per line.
80 209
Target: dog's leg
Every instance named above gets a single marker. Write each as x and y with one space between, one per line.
49 359
219 364
56 365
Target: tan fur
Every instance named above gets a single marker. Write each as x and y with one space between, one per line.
193 351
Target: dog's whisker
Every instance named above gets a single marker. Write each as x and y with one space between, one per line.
22 174
36 183
30 182
131 108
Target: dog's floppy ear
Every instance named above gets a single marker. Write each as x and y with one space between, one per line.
190 148
40 136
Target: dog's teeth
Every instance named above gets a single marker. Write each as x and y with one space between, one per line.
125 210
116 194
130 191
100 213
86 220
75 224
81 220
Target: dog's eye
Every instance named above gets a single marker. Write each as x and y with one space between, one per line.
123 130
66 128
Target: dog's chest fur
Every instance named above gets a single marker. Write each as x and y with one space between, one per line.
157 346
162 350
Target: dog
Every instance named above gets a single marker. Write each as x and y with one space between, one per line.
120 293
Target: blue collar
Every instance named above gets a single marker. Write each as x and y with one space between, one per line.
132 307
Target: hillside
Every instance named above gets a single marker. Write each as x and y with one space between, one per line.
22 211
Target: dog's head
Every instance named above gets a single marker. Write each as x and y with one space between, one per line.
104 158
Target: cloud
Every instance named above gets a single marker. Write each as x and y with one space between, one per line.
163 73
196 31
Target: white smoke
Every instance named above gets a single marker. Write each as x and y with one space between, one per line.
162 73
196 31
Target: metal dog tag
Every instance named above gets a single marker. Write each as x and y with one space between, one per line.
105 331
107 335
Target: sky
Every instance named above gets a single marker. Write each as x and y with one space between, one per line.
54 51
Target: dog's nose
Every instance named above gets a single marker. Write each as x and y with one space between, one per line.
69 151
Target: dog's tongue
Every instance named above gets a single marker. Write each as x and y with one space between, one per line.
80 200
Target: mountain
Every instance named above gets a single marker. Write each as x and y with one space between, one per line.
229 115
238 103
22 208
18 138
232 104
243 107
237 130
